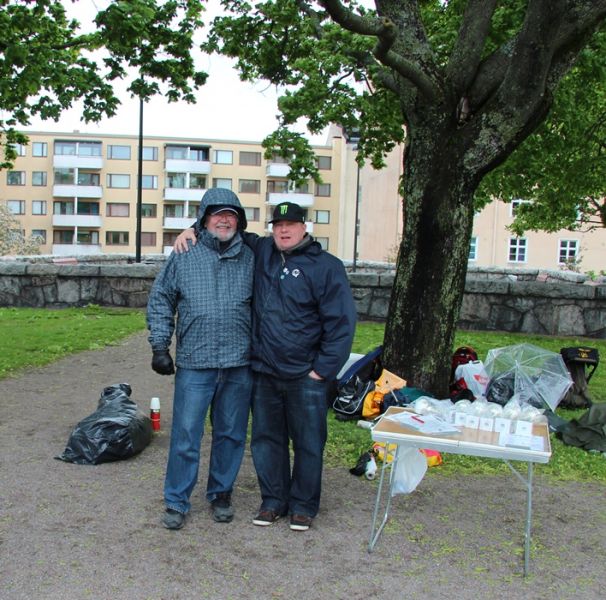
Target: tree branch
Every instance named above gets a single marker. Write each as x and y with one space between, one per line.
386 32
467 51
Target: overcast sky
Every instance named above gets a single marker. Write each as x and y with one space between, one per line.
227 108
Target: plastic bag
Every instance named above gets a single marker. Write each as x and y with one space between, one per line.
474 376
410 470
116 430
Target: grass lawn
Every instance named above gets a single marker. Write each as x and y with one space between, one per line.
35 337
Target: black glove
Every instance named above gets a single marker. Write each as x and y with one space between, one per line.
162 362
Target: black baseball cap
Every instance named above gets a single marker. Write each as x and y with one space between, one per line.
288 211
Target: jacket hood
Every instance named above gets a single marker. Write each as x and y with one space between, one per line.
221 197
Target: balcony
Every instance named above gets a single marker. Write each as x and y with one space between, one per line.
184 194
277 170
77 221
179 223
183 165
305 200
71 161
80 249
77 191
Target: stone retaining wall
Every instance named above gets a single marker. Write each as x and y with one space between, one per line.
529 301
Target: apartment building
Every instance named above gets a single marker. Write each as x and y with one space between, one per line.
79 192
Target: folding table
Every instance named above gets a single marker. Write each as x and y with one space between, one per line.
473 442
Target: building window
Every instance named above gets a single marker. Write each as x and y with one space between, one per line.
39 149
323 241
41 234
149 182
197 182
78 148
88 208
118 181
174 211
169 237
223 183
569 250
517 249
252 213
322 189
224 157
276 186
15 178
116 238
64 176
63 208
176 180
252 159
39 178
176 152
150 153
17 207
117 209
473 249
19 149
324 163
303 188
118 152
199 153
87 238
148 238
192 210
89 178
149 211
513 207
322 217
249 186
63 236
38 207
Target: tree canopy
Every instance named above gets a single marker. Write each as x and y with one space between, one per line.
463 83
47 63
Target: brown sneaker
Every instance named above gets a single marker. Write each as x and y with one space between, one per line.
266 517
300 522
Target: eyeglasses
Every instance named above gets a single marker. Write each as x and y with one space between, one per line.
225 214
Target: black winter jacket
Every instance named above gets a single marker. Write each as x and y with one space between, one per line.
304 314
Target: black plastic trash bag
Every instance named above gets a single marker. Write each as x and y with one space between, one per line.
116 430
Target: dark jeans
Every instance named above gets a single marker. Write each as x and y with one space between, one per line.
286 410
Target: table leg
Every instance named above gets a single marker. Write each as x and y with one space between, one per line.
374 532
528 520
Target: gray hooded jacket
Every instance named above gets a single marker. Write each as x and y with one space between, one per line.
210 292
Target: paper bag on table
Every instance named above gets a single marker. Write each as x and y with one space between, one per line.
410 470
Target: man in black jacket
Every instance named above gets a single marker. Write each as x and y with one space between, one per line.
303 326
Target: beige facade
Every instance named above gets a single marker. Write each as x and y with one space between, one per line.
492 244
79 191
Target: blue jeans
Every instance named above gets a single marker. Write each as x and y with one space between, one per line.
282 410
228 390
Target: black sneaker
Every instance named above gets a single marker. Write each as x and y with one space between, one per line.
223 511
300 522
173 519
266 517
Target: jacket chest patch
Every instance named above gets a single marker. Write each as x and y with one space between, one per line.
286 272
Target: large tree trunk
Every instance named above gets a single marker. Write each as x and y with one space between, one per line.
432 262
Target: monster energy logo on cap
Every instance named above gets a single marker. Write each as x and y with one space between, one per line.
288 211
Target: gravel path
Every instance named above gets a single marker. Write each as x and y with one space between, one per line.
76 532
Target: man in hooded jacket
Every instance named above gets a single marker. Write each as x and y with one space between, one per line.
303 326
210 289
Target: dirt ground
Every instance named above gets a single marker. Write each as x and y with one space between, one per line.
76 532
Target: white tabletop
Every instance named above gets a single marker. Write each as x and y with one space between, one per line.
473 442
